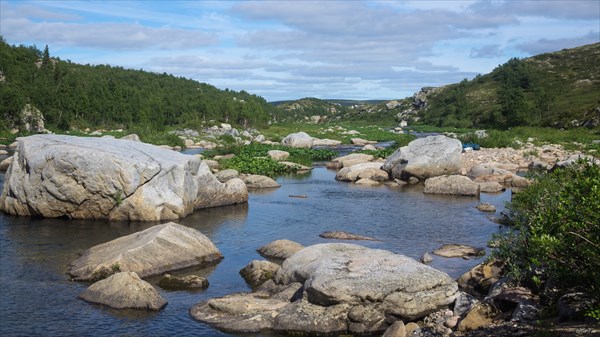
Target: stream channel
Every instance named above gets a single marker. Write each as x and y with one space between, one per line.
37 298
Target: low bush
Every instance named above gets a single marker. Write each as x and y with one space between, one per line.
255 165
556 229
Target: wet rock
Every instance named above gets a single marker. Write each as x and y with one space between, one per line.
480 315
367 182
278 155
426 258
451 185
345 273
486 207
481 277
258 181
102 178
396 330
299 139
456 250
280 249
341 235
124 290
156 250
258 272
425 158
190 282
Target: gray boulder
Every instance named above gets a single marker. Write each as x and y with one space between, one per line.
154 251
124 290
103 178
278 155
299 139
425 158
451 185
456 250
280 249
226 175
341 235
351 159
337 273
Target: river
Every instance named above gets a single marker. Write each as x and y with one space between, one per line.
37 298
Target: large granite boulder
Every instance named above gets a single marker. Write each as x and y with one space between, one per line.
299 139
124 291
156 250
425 158
104 178
334 288
337 273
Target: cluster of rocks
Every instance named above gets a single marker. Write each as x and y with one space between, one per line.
118 266
329 288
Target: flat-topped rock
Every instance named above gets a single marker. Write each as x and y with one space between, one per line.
156 250
115 179
259 181
124 290
451 185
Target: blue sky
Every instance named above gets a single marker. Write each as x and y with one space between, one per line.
293 49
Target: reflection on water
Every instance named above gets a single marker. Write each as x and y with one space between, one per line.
36 297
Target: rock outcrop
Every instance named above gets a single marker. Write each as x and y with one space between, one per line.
156 250
425 158
103 178
124 290
334 288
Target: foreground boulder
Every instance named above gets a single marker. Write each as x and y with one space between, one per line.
104 178
156 250
334 288
124 291
425 158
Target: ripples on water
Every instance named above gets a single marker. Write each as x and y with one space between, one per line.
36 298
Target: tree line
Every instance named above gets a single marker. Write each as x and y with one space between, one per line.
100 96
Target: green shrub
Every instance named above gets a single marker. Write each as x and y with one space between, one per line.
255 165
556 228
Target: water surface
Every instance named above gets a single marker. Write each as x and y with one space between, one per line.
37 299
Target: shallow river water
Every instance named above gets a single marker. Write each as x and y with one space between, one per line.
37 299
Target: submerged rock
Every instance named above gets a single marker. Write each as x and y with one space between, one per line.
124 290
190 282
103 178
425 158
258 181
341 235
156 250
280 249
455 250
486 207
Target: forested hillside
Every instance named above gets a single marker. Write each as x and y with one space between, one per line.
77 96
560 89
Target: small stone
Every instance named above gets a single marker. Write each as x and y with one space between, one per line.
486 207
426 258
396 330
410 327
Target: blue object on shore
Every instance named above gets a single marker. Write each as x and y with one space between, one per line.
471 145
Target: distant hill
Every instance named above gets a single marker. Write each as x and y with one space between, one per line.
559 89
71 95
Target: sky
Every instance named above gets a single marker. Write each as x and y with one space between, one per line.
284 50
